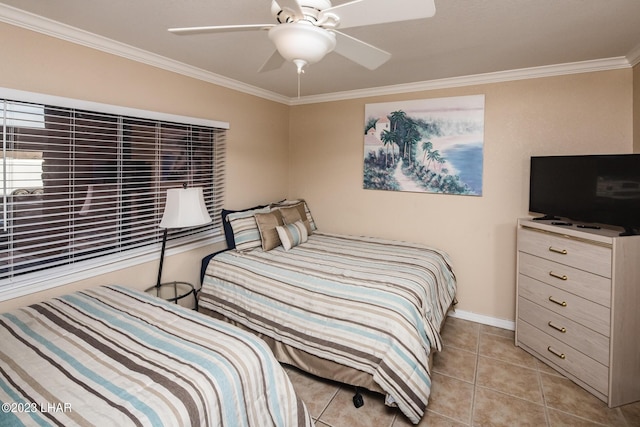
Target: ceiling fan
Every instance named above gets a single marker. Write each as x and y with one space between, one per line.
307 30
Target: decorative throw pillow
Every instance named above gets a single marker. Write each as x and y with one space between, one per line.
226 225
303 208
295 213
291 215
245 229
267 223
292 235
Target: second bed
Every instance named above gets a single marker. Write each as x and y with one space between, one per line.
363 311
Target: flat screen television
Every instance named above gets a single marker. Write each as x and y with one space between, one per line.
602 189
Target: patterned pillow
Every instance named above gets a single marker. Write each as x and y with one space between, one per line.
228 231
292 235
245 229
289 208
267 223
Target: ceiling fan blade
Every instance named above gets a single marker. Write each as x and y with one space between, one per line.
369 12
274 62
360 52
291 7
219 29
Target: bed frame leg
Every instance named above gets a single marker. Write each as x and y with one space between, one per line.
358 400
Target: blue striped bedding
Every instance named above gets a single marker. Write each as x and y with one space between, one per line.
111 356
370 304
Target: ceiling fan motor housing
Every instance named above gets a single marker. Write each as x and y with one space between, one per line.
310 9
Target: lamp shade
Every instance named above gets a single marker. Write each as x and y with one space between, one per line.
184 208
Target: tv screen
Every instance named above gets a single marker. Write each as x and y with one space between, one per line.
601 189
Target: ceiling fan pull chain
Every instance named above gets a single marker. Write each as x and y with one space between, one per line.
300 63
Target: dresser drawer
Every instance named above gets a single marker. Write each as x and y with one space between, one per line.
557 353
575 253
587 285
573 307
583 339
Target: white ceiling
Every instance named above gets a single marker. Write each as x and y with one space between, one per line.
464 38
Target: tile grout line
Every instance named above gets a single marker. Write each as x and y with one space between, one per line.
547 408
475 377
544 397
335 393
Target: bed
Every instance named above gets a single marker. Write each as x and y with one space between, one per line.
363 311
114 356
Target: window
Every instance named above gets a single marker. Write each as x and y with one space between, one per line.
86 187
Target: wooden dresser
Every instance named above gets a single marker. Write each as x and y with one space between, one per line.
578 305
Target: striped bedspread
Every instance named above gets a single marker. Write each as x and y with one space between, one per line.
370 304
116 357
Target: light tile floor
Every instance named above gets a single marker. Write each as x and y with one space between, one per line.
480 379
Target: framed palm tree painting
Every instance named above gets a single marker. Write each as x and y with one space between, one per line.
429 146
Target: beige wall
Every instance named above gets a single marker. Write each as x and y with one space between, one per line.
636 108
257 141
582 113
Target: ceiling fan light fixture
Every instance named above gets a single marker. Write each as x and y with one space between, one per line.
307 30
302 42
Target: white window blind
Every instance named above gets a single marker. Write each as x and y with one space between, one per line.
80 185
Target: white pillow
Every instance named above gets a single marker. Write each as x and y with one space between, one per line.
292 235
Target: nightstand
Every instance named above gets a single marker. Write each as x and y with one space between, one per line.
174 291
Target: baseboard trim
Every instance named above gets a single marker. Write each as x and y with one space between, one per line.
485 320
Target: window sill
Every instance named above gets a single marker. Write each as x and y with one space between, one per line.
52 278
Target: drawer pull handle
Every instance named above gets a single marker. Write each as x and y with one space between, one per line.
555 301
556 353
557 328
558 251
558 276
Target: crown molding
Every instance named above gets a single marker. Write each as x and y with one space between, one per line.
477 79
52 28
634 56
56 29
